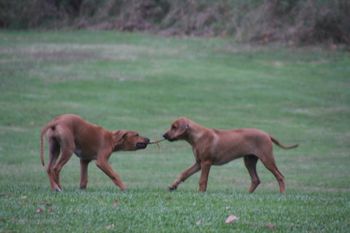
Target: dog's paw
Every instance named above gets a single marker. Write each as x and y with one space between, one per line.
172 188
124 188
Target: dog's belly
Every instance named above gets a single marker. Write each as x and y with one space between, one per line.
224 159
78 152
225 151
83 155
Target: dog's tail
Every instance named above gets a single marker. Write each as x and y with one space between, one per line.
274 140
43 131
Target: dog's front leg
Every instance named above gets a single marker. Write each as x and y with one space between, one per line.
184 175
205 166
102 163
84 173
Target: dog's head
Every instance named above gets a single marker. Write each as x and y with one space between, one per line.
178 130
129 140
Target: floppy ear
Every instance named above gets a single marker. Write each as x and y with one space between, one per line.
118 137
183 128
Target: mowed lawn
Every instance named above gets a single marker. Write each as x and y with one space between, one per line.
143 82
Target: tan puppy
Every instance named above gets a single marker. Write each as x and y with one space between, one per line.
217 147
70 134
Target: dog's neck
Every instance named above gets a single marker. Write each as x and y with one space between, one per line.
196 132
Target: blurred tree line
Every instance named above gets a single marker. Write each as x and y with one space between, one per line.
292 21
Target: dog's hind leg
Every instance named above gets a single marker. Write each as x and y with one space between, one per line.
250 163
271 166
54 153
67 147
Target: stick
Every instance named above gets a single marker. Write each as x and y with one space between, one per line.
157 142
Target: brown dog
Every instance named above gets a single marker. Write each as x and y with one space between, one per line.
70 134
217 147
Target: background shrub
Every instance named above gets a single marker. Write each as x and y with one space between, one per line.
291 21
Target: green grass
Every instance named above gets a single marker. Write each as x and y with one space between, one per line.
143 82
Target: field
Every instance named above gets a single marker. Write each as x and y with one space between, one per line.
144 82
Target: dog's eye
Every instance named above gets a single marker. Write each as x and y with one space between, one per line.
173 127
137 135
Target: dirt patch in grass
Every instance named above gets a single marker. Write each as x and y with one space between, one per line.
63 55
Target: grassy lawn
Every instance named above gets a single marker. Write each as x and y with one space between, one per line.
143 82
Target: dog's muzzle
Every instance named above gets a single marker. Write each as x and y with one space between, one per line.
166 136
142 145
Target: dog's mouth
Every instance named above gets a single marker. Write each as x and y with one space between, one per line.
166 137
141 145
171 139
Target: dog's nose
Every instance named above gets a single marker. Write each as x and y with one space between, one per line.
165 136
147 140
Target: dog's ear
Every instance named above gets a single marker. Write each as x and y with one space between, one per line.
119 135
118 139
183 128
